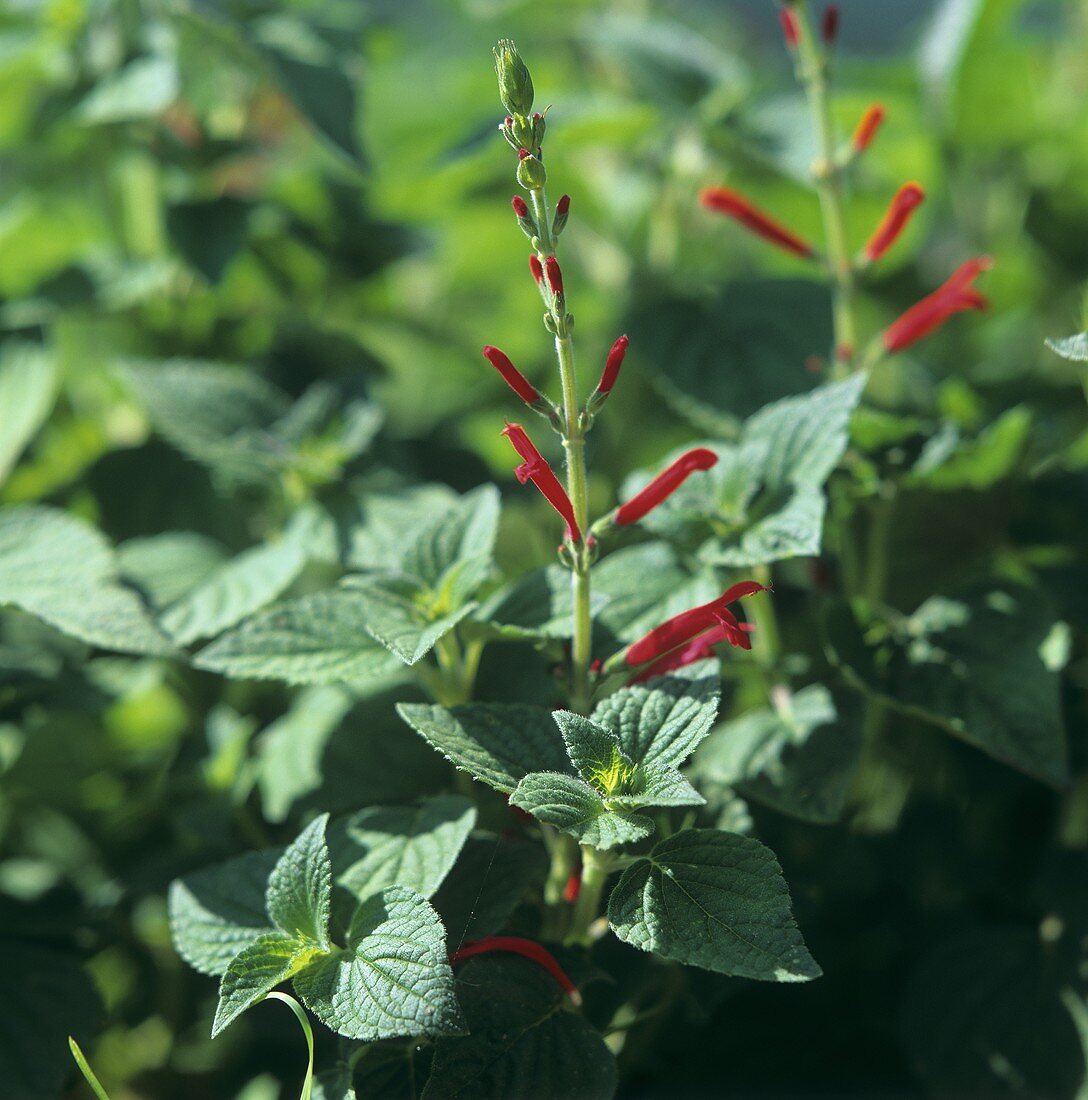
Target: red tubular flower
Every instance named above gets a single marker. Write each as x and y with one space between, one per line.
830 26
789 27
511 375
562 207
536 470
554 274
870 123
689 624
536 268
725 201
955 296
528 950
664 485
612 366
573 887
523 153
907 199
520 206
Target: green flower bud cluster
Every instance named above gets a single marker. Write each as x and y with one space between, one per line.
515 83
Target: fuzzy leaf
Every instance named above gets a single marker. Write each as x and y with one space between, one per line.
397 615
237 589
456 543
256 970
522 1043
393 979
536 607
167 567
496 743
572 805
218 910
60 570
658 785
413 846
974 664
28 388
663 720
299 891
800 762
317 639
1074 348
589 746
712 899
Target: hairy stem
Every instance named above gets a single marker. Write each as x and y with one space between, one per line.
812 71
574 441
596 867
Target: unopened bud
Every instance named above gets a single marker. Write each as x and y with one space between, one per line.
562 208
829 28
531 173
515 83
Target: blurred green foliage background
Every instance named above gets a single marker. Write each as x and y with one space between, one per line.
315 188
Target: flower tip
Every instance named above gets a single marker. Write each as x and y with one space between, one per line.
563 205
521 208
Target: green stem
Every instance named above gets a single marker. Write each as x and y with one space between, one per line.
574 441
812 71
596 867
564 852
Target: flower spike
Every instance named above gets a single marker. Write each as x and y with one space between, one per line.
528 950
536 470
867 128
907 199
664 485
511 375
955 296
681 628
725 201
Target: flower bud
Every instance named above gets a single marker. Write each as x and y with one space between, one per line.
562 208
515 83
528 949
531 173
867 128
554 274
789 27
537 269
512 376
829 28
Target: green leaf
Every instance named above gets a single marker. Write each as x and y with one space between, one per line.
49 998
298 898
458 542
413 846
522 1040
237 589
28 388
982 1016
976 463
402 616
800 760
499 744
644 586
88 1074
62 571
974 664
663 720
217 414
168 566
572 805
256 970
657 785
290 750
389 522
716 357
1074 348
393 979
317 639
590 746
536 607
716 900
218 910
764 499
144 88
490 878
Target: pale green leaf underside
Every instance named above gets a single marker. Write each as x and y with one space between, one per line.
28 387
714 900
393 979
